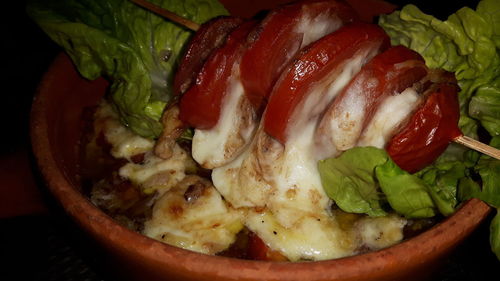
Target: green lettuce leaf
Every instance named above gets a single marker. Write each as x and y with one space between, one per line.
407 194
485 106
365 180
466 44
490 9
136 49
489 171
351 183
442 181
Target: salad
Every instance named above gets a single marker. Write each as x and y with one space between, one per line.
229 164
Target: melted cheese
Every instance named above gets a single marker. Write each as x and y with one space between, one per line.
283 182
124 142
157 174
204 225
389 116
236 126
310 238
346 121
325 135
380 232
317 27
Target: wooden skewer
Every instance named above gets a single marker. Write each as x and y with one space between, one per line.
167 14
478 146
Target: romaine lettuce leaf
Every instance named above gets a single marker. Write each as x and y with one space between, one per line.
490 10
485 106
466 44
407 194
365 179
351 183
442 181
136 49
489 170
489 192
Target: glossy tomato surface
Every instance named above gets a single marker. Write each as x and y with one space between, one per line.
320 59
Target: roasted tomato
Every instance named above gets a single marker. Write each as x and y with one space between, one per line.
279 37
386 74
429 131
200 106
209 37
306 89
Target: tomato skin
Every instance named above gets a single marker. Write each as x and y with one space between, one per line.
393 77
386 74
200 106
258 250
209 37
429 131
317 61
275 42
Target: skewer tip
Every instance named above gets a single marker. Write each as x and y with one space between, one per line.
478 146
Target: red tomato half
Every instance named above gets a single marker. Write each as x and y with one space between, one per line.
321 61
278 38
209 37
395 70
429 131
386 74
200 106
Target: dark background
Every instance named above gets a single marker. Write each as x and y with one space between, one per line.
40 242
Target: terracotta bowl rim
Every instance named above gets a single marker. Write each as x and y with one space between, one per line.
89 217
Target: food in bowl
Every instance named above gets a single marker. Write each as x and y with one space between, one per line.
210 223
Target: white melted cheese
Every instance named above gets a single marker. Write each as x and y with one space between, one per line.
279 189
221 144
317 27
380 232
346 121
283 182
297 207
324 139
205 225
297 181
388 117
240 181
325 91
157 174
124 142
310 238
274 190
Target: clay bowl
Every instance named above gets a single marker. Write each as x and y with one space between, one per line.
56 125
